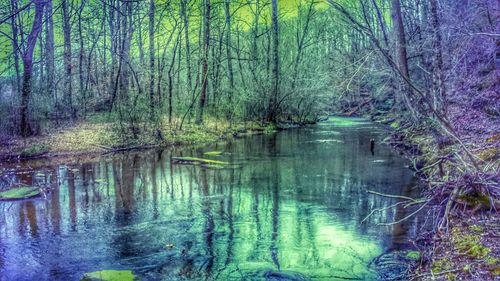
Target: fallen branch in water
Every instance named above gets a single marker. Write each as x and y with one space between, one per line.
391 196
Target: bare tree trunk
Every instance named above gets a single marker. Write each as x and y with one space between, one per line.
206 49
81 59
15 45
151 58
439 90
188 50
25 128
271 117
67 59
49 52
229 57
402 57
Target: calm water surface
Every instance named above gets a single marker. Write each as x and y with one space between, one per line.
293 203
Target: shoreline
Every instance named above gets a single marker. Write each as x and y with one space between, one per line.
93 140
467 249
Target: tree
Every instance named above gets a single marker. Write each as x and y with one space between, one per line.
271 117
26 129
206 49
401 55
68 68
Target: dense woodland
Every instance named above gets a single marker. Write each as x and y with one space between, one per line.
158 61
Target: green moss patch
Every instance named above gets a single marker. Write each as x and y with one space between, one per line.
110 275
414 255
19 193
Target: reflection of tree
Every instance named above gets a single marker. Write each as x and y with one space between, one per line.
55 210
72 199
400 230
27 212
208 231
275 189
124 177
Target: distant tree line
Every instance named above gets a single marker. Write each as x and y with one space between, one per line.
162 62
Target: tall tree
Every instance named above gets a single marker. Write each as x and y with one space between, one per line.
68 69
402 55
206 49
25 127
229 55
439 88
273 100
152 58
49 51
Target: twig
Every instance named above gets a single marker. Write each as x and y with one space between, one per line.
391 196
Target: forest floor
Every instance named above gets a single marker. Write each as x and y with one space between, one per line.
95 136
469 248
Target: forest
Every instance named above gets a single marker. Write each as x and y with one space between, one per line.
82 77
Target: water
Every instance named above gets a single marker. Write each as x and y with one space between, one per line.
291 206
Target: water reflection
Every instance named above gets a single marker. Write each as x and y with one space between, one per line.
294 206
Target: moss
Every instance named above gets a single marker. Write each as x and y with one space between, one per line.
488 154
495 271
492 261
19 193
110 275
493 138
395 125
441 265
469 243
414 255
34 150
475 201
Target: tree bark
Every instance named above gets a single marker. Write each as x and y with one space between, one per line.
402 56
439 90
151 58
67 59
49 52
229 57
25 127
206 49
271 116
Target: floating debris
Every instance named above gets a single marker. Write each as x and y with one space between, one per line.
197 161
213 153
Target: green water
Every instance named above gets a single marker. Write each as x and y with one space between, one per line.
288 207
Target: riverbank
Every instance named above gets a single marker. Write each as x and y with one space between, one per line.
96 137
463 242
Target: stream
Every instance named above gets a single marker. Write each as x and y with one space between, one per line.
290 206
